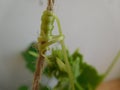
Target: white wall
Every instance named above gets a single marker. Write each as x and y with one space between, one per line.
91 25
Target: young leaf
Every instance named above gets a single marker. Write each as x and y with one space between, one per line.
29 58
89 77
23 88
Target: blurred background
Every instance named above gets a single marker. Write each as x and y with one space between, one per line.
91 25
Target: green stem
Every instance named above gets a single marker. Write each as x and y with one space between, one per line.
78 86
68 65
65 56
112 65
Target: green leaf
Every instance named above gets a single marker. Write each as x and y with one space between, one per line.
61 65
29 58
89 78
76 60
54 68
35 54
42 87
31 66
23 88
86 76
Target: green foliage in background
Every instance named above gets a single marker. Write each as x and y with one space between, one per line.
23 88
30 59
86 76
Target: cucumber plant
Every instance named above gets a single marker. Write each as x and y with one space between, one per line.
46 39
70 70
86 77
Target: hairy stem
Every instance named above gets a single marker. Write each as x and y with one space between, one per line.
69 71
112 65
68 65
